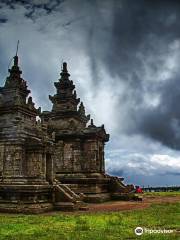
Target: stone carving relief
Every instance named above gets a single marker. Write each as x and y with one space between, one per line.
34 164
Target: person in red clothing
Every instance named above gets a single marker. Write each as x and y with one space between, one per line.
139 189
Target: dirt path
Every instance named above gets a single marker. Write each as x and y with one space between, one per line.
131 205
113 206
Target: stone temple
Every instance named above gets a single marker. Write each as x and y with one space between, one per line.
53 163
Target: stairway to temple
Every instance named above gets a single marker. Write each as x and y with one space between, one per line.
67 200
120 191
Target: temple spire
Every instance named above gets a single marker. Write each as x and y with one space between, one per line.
16 61
65 67
14 80
16 56
64 73
17 47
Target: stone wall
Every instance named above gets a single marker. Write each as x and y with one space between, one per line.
34 161
79 156
1 159
11 158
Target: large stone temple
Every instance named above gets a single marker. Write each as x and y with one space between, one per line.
56 162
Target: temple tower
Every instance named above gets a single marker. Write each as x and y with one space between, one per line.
25 148
65 105
79 149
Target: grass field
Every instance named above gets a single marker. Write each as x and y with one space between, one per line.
162 194
106 226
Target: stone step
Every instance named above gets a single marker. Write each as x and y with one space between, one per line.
64 206
126 197
69 191
84 208
68 206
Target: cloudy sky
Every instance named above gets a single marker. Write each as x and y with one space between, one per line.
124 57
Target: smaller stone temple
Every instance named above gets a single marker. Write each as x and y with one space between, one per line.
79 149
53 163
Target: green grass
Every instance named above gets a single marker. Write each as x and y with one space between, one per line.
106 226
161 194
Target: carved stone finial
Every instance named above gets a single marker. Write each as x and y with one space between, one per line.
64 73
92 124
30 102
16 56
14 79
16 60
81 108
75 94
64 67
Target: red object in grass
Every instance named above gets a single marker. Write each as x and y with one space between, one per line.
139 190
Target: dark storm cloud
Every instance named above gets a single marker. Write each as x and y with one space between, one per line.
163 122
141 33
154 27
3 20
33 6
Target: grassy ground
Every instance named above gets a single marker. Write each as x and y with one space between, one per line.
162 194
106 226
